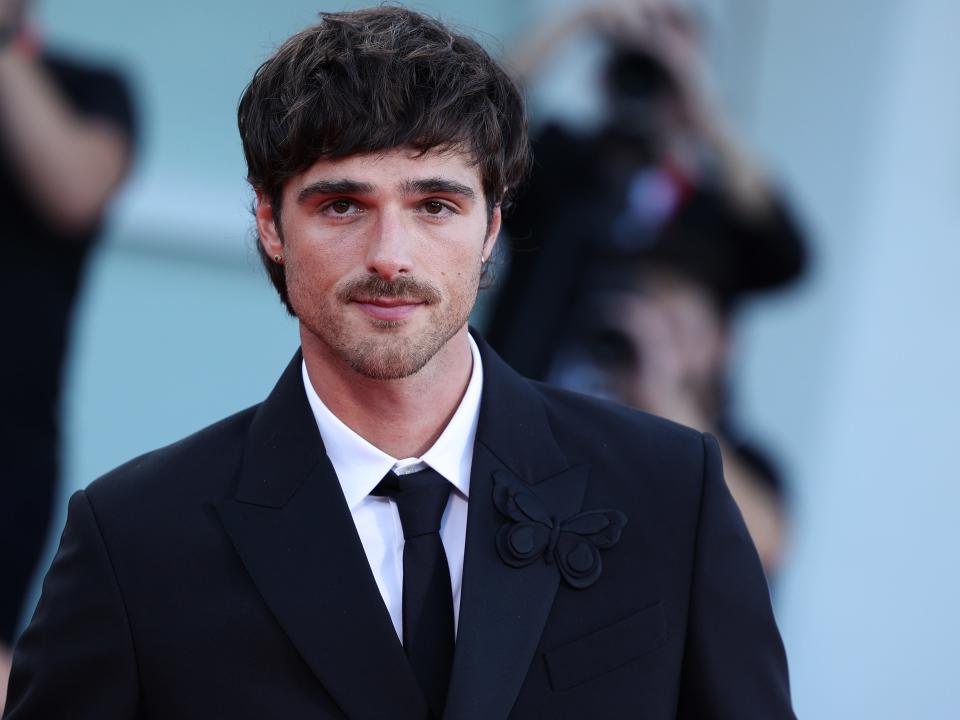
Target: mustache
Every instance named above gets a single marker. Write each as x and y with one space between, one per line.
372 287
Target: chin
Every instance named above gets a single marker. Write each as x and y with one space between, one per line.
389 358
386 349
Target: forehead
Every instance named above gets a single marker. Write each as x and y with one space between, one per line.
393 168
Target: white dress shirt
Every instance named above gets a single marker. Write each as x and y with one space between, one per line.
360 467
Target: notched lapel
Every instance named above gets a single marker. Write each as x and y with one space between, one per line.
292 528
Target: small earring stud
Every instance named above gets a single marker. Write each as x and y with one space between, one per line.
278 259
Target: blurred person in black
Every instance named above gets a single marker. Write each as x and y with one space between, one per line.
628 289
65 145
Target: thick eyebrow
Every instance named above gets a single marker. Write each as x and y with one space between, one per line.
334 187
426 186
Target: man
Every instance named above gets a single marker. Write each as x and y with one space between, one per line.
405 528
65 144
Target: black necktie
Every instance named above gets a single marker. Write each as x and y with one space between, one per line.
427 599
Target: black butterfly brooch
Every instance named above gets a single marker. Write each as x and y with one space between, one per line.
574 543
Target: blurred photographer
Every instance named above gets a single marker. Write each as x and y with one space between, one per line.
66 133
633 245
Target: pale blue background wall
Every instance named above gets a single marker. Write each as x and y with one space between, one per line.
852 379
859 105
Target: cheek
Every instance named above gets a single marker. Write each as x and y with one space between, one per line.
460 260
311 274
460 269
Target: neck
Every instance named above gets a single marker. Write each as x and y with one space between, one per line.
403 417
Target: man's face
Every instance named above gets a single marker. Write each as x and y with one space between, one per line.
382 255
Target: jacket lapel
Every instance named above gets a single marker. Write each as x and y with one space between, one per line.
503 609
293 530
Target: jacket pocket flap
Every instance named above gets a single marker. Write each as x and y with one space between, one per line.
607 649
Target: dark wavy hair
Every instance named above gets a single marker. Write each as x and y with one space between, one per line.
373 80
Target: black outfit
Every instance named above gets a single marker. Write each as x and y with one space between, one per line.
223 576
572 231
575 234
39 277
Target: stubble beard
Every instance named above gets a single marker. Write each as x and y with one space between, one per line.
386 353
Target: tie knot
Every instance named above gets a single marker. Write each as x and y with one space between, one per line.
421 498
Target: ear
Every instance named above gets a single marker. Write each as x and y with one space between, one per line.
496 219
267 226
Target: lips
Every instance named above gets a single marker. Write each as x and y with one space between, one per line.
388 308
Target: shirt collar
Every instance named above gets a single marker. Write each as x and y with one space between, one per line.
360 465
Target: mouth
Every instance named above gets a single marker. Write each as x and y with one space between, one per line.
388 308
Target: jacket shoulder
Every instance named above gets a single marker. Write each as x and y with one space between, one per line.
609 422
655 459
198 463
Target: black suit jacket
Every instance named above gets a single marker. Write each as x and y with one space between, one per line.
222 577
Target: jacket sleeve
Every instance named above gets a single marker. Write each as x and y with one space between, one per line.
76 658
734 664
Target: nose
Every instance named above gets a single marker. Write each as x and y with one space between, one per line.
388 252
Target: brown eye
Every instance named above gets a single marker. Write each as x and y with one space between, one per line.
433 207
340 206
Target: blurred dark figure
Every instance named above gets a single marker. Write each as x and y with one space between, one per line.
632 246
65 144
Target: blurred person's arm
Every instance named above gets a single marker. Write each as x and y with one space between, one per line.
4 674
666 31
671 35
613 19
69 165
738 174
758 503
